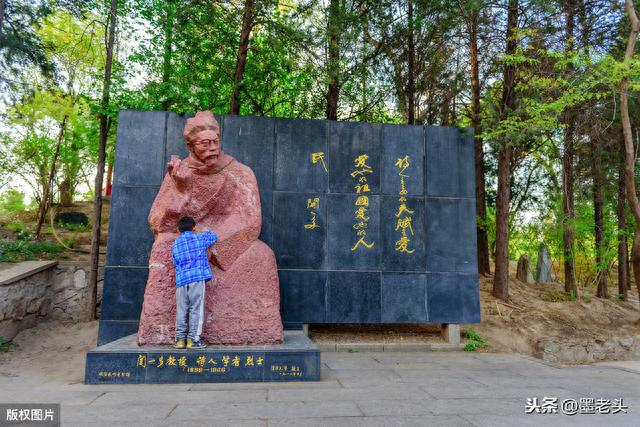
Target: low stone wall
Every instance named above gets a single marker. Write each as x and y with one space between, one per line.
34 290
590 350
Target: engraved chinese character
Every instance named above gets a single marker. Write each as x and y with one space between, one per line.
362 201
362 242
200 360
142 361
319 157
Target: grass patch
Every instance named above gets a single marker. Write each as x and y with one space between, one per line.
24 250
4 346
81 228
474 340
558 296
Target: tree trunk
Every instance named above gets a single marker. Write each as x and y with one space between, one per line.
44 202
333 61
598 216
102 143
501 277
241 59
568 230
629 175
623 278
109 187
481 203
168 46
411 69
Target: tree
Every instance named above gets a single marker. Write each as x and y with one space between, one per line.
248 17
501 277
473 21
104 130
568 232
628 138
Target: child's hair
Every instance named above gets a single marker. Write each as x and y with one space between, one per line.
186 223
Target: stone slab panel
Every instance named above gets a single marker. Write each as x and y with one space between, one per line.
347 141
343 254
451 235
139 156
450 166
123 292
130 237
302 295
402 146
301 155
300 230
353 297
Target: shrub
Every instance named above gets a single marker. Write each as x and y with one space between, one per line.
475 340
12 201
23 250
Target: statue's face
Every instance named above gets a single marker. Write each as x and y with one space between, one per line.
205 145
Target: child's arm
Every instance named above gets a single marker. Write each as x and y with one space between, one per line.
209 238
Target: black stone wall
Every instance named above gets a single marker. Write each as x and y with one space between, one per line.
322 280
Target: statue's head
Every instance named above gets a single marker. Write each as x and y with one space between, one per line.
202 135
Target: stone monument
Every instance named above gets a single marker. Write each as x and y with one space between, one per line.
524 272
543 265
242 302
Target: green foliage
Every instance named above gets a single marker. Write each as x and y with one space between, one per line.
75 227
23 233
474 340
24 250
558 296
12 201
4 347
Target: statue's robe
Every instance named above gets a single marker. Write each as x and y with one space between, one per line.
242 301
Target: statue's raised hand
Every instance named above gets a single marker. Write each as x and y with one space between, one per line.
180 173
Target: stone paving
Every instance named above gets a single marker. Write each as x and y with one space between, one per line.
358 389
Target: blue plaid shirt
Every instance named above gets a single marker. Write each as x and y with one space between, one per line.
190 257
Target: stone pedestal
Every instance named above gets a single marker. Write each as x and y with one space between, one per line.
124 362
451 333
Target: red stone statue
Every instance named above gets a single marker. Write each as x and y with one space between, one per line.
242 302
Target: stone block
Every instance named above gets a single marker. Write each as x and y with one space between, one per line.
251 140
347 141
450 166
342 239
300 230
353 297
139 157
404 298
123 292
130 236
301 156
302 295
124 362
403 146
453 298
451 235
395 256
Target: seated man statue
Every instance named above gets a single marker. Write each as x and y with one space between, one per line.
242 302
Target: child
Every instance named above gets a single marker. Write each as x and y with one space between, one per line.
192 270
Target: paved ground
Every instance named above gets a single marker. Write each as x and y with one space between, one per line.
368 389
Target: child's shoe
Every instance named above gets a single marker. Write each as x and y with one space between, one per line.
179 344
195 344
